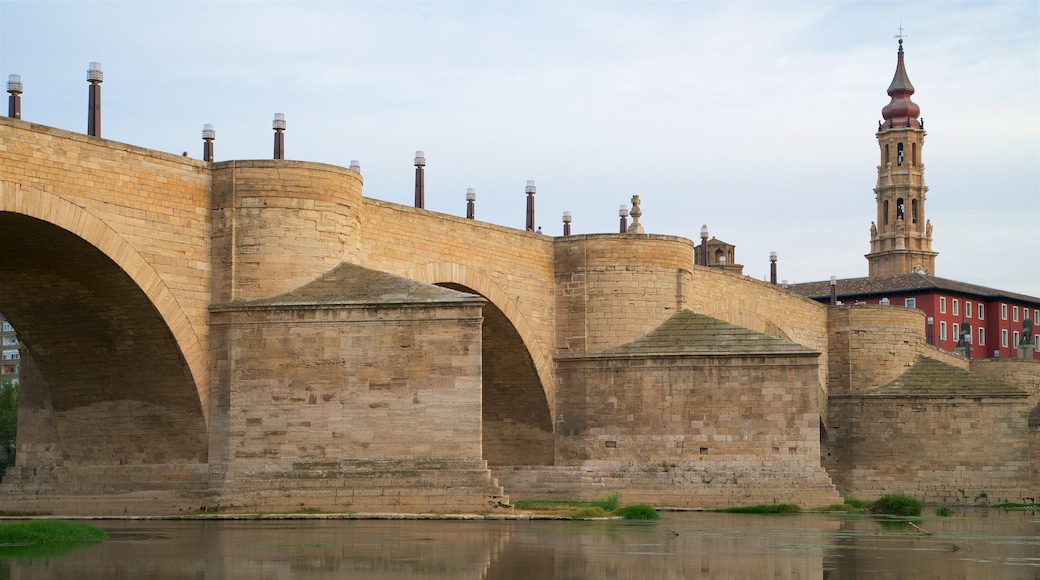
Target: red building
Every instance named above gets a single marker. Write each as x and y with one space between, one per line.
997 318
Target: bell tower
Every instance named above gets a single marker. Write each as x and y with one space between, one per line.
901 238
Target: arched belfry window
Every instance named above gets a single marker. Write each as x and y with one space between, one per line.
884 161
884 211
913 211
899 154
899 209
913 154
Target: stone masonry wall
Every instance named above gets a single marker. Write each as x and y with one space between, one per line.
366 408
612 289
698 430
280 224
947 450
511 268
871 345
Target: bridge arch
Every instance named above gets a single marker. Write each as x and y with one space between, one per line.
59 212
517 394
114 376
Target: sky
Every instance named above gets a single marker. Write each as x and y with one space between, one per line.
757 119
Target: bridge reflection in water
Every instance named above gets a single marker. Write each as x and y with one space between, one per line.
980 544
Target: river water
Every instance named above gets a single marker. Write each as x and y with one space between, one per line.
975 543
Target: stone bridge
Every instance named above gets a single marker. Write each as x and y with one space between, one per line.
258 335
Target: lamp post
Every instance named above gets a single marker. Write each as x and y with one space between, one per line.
834 290
208 135
530 190
772 268
566 223
279 135
95 77
420 179
355 166
704 245
623 214
14 102
471 203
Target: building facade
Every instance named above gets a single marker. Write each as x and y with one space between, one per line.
10 352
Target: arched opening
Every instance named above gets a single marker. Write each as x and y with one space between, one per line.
913 154
718 255
913 211
884 212
104 382
516 423
899 155
885 159
899 209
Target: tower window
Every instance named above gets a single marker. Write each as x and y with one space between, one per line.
899 208
899 154
913 154
885 161
885 211
913 211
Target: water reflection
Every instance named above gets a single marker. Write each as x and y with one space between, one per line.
982 544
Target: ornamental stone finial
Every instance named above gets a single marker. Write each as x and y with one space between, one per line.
636 227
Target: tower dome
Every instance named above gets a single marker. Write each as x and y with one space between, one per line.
901 111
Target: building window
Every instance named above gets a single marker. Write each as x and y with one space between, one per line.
942 304
956 332
1017 339
1003 311
899 154
982 311
942 331
1014 313
7 327
967 308
899 208
982 336
913 211
956 303
1036 316
885 212
911 302
1036 341
1003 338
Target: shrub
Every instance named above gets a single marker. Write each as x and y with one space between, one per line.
943 511
896 504
638 511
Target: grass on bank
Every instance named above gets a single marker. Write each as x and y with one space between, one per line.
48 532
581 509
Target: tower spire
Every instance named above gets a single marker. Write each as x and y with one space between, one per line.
901 111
